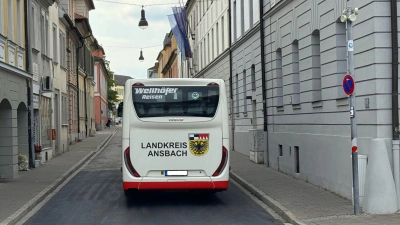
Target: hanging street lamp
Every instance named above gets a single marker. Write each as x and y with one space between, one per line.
143 22
141 59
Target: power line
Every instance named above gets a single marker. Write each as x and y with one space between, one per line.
155 4
132 46
125 3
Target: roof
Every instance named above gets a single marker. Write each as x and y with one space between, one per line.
121 79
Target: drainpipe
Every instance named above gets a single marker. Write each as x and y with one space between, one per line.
77 85
86 114
29 82
230 73
395 98
264 90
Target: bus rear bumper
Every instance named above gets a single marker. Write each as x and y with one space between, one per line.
177 185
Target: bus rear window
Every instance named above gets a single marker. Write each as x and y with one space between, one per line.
160 101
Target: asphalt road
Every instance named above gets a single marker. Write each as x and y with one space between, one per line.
95 196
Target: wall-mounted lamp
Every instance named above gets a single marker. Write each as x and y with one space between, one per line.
143 22
141 59
352 17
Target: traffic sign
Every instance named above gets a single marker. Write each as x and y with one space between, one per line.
348 84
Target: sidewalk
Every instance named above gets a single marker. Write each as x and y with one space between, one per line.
19 195
297 201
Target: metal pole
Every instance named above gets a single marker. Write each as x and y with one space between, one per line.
353 118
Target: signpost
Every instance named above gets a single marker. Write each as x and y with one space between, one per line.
349 16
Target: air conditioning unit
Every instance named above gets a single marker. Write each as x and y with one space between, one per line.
47 83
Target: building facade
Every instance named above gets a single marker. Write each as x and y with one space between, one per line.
120 86
58 52
101 76
168 58
208 32
14 92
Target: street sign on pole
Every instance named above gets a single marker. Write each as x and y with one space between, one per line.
348 84
348 87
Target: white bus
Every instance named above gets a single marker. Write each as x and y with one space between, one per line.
175 135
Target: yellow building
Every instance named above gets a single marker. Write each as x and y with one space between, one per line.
120 85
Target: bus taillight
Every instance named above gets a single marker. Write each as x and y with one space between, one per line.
128 163
222 165
137 84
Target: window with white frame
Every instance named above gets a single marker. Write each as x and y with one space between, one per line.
63 50
44 22
55 44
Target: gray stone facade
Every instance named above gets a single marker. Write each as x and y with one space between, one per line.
247 82
13 119
308 113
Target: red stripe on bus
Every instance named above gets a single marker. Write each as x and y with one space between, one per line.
189 185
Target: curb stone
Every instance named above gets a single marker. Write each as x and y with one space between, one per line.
276 206
25 209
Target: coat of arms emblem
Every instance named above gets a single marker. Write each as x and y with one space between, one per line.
198 144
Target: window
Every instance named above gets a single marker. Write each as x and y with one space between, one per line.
217 38
279 82
43 33
34 30
64 110
46 24
212 43
20 13
208 48
201 55
55 44
223 33
297 159
253 94
251 14
237 94
2 19
63 49
244 92
234 22
242 16
200 101
295 73
316 67
10 31
253 78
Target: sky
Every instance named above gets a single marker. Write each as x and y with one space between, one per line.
115 26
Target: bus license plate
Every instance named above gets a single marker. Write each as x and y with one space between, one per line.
175 173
